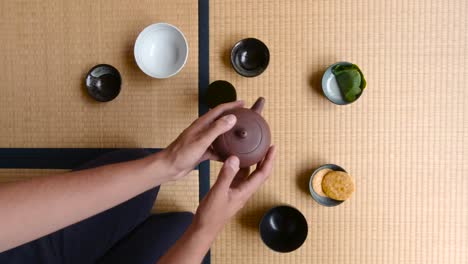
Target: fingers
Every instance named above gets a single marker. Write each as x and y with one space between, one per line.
210 154
228 172
208 127
240 177
216 112
259 176
218 127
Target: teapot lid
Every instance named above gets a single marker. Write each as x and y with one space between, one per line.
249 139
246 135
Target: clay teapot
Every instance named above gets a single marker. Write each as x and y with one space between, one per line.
250 137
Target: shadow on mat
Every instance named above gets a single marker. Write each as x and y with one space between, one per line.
315 81
250 216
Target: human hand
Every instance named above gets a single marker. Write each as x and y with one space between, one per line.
231 191
194 144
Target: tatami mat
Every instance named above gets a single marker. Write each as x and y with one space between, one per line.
174 196
405 140
178 196
48 47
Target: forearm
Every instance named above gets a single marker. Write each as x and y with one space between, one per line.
31 209
222 202
191 247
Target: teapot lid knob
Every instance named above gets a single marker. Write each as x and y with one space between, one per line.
242 133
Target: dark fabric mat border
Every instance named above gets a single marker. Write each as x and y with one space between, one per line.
203 82
51 158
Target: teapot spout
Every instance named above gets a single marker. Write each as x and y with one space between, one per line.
258 106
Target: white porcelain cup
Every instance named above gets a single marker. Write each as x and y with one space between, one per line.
161 50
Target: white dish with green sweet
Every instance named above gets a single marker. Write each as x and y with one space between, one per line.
343 83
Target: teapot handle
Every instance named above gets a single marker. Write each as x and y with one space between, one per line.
258 106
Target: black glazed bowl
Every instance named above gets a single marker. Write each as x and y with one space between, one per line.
103 82
283 228
250 57
220 92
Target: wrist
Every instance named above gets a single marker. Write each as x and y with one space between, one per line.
211 228
206 233
160 162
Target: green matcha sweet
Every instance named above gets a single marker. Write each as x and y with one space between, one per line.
350 80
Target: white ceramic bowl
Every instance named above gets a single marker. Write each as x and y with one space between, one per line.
161 50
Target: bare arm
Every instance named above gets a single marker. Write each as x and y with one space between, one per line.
31 209
227 196
191 247
34 208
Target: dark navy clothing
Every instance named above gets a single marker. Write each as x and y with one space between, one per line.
126 233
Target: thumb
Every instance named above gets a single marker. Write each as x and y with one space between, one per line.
228 172
218 127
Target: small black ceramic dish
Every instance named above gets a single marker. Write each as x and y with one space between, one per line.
220 92
250 57
322 199
103 82
283 228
